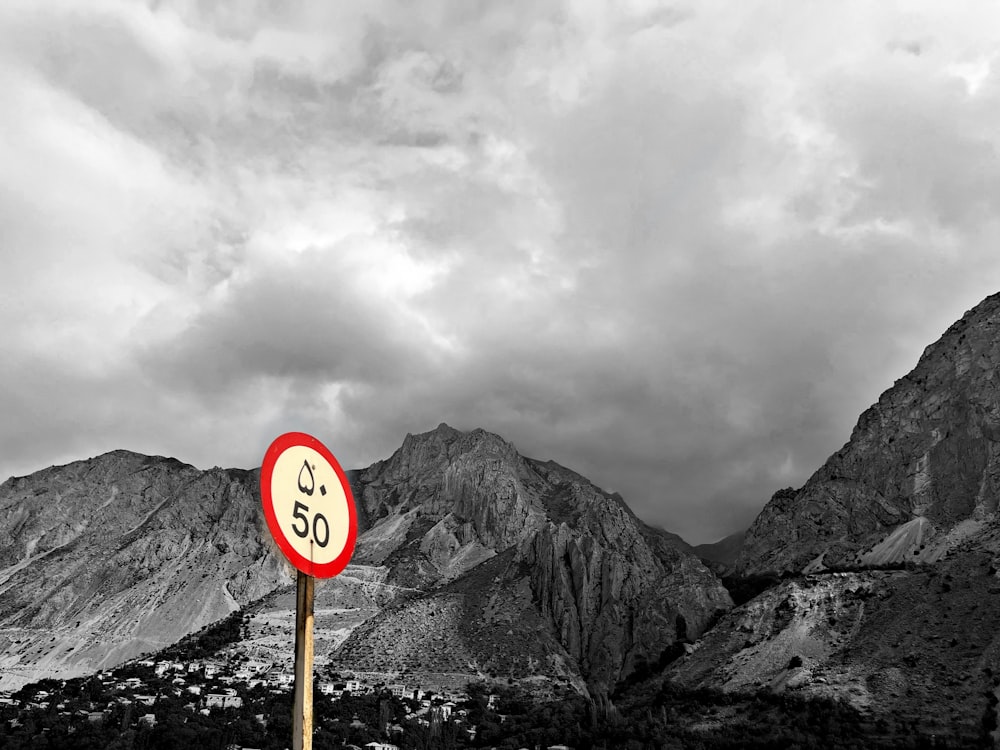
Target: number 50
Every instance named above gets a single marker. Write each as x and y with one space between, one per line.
299 514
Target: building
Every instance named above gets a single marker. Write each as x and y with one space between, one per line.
382 746
147 720
281 679
226 699
219 700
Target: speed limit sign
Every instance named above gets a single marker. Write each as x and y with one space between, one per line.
308 505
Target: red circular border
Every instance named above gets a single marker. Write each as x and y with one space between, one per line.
279 446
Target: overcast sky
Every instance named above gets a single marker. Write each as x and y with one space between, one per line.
675 247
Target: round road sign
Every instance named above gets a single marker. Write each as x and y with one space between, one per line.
308 504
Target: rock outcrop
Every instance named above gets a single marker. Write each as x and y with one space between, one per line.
920 473
914 650
614 591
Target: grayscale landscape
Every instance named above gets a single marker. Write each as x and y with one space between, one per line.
659 343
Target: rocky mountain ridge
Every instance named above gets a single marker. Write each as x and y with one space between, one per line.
889 558
108 558
612 590
919 475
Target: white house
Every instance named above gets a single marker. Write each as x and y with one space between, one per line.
398 690
218 700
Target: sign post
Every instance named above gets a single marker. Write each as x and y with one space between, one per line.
310 513
302 710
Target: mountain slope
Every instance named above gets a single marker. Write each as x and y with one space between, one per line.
612 590
907 511
725 551
920 473
106 558
914 648
539 572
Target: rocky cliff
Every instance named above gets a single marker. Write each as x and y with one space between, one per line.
919 475
613 590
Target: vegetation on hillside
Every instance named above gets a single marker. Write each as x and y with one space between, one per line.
650 716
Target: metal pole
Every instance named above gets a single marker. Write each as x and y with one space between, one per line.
302 717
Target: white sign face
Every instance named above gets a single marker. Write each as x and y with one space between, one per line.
308 505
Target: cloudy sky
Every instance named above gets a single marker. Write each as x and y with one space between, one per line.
676 247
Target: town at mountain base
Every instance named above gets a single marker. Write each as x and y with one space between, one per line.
859 611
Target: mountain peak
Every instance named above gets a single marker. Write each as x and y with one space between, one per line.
920 461
443 431
447 501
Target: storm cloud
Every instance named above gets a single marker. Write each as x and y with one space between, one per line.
677 248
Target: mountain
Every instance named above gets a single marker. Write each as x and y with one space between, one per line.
471 560
724 552
916 651
519 556
889 557
919 476
101 560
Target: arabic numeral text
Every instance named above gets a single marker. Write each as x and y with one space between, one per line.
301 524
